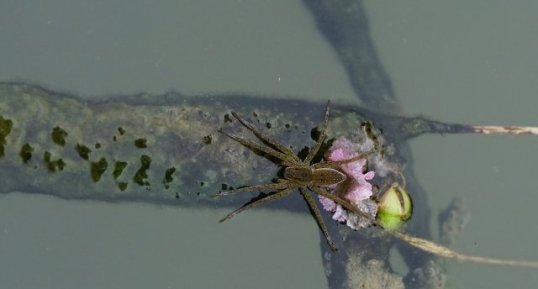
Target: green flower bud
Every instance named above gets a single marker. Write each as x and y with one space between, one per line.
395 208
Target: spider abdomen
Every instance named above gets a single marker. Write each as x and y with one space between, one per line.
327 177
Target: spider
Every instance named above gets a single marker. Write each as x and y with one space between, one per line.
303 175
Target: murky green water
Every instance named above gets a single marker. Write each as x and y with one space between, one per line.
474 63
455 62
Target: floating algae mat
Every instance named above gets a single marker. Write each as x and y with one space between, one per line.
133 148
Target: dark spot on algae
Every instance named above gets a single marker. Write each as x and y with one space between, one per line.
141 143
121 130
268 125
58 136
53 165
97 145
141 174
122 186
119 166
83 151
114 138
315 133
304 152
227 118
168 178
26 153
207 139
5 129
98 169
224 187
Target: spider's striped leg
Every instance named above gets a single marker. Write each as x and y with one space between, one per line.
315 148
317 215
263 200
334 164
342 202
254 146
281 184
267 139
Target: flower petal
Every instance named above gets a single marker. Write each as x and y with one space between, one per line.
327 204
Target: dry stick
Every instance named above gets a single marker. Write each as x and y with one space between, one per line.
492 129
410 127
445 252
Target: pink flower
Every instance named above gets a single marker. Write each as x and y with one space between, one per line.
355 188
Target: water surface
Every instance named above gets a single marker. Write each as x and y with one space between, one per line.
451 61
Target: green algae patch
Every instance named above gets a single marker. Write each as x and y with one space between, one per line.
122 186
141 143
168 177
53 165
58 136
83 151
227 118
98 169
119 166
141 174
26 153
207 139
5 129
121 130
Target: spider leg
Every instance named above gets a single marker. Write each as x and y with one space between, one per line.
315 148
317 215
342 202
254 146
334 164
263 200
256 188
267 139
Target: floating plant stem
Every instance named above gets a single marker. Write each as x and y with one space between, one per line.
492 129
442 251
415 126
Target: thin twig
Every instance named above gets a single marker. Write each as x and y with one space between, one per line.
516 130
445 252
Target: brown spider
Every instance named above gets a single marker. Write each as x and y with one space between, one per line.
298 174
